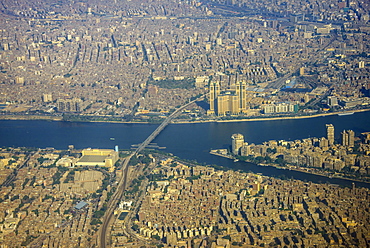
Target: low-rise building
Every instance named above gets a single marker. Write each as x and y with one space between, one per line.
98 157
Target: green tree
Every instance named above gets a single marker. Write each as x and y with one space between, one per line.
156 237
135 227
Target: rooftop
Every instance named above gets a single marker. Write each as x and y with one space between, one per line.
80 205
92 159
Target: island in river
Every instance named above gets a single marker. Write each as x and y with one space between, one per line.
323 156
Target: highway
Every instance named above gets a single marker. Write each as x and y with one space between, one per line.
163 125
116 197
112 204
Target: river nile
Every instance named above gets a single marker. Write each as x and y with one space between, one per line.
189 141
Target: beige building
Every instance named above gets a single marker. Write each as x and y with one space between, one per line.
237 143
214 91
229 102
98 157
330 133
348 138
69 105
47 97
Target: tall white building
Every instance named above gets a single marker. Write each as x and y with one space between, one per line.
330 133
237 143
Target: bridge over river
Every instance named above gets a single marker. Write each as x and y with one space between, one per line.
116 197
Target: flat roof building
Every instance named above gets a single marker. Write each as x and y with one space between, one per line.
98 157
81 205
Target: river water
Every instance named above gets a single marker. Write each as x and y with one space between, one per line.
188 141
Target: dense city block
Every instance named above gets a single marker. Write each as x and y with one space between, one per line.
137 61
170 203
165 61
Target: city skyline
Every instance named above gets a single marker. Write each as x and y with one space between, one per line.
281 67
135 65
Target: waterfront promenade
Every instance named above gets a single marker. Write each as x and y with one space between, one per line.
180 121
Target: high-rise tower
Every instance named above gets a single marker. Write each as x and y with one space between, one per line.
214 91
231 102
330 133
351 138
344 138
348 138
211 99
237 143
241 94
217 89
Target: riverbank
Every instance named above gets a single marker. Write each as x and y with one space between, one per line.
349 112
267 118
292 168
31 117
191 142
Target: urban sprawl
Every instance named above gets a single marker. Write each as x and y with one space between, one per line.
138 61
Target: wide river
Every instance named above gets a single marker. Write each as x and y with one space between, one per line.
188 141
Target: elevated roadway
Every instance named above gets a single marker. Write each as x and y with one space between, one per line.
112 204
160 128
116 197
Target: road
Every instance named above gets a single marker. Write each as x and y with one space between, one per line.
13 175
163 125
280 82
112 204
116 197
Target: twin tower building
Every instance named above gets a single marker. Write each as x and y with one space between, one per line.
229 102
